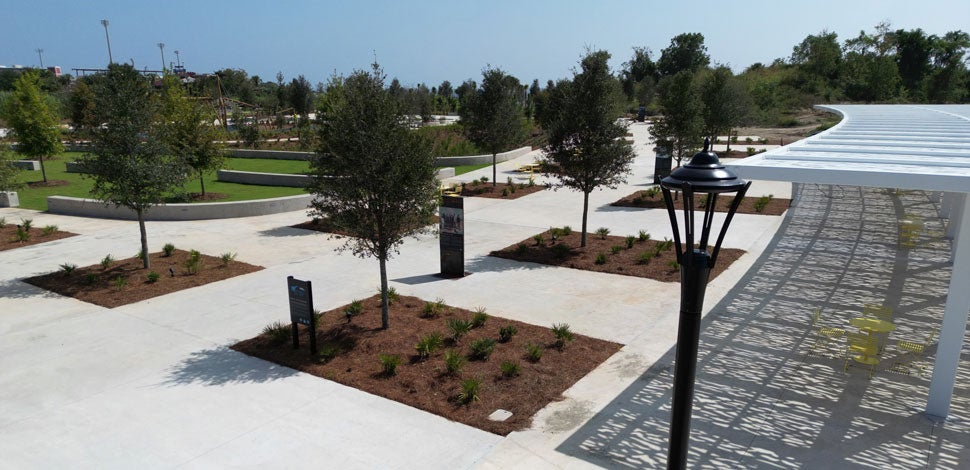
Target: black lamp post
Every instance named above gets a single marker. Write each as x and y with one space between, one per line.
705 175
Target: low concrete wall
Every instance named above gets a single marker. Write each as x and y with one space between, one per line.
29 165
74 167
271 154
482 159
263 179
201 211
9 199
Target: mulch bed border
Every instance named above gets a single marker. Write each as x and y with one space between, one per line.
776 206
8 237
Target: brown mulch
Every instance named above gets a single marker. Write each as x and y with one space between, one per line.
776 206
495 192
9 240
627 261
207 197
48 183
98 286
423 383
324 225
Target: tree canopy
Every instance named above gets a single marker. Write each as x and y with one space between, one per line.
188 128
492 114
32 120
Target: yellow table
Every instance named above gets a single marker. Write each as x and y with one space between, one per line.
873 325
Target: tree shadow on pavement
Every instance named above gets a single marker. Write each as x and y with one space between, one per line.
221 366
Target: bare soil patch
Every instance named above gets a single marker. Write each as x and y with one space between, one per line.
647 258
9 239
48 183
424 382
207 197
500 190
100 286
749 205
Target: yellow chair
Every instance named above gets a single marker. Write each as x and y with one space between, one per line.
863 349
912 352
824 334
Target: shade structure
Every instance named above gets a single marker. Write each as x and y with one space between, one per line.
913 147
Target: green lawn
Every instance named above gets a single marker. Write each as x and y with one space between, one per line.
80 186
460 169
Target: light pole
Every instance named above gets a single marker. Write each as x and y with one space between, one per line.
161 48
705 175
178 60
108 40
40 55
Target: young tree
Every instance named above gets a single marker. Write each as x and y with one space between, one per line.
586 142
678 131
372 177
129 162
9 174
725 103
492 117
188 128
685 52
639 76
33 121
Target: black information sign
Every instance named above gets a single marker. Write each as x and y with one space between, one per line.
301 310
452 233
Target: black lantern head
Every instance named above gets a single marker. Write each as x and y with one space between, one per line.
704 174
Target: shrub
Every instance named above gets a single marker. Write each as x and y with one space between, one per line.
89 279
603 232
533 352
389 363
106 261
26 224
562 334
674 265
120 282
328 351
392 295
539 240
566 230
427 345
68 268
479 317
505 191
227 257
469 390
630 240
483 179
561 251
433 309
748 140
752 151
510 368
22 235
600 258
152 277
193 262
521 249
355 308
645 257
554 233
508 181
511 187
454 361
615 249
49 229
278 332
459 327
482 348
506 333
762 202
168 249
643 236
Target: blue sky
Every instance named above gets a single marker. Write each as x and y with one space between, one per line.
428 40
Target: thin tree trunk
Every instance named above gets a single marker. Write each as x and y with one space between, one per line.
202 183
385 319
494 174
728 143
582 243
144 237
43 172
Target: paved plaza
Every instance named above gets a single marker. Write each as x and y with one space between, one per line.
154 385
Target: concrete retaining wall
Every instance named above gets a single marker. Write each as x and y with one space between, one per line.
74 167
201 211
263 179
9 199
29 165
482 159
271 154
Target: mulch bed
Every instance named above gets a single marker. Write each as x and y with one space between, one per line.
48 183
642 199
99 286
9 240
424 383
207 197
627 261
495 192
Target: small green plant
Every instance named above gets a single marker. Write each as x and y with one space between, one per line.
106 261
3 222
193 262
532 182
630 240
540 241
483 179
522 249
643 236
328 351
561 251
68 268
22 235
389 363
602 232
152 277
469 390
392 295
600 258
433 309
49 230
427 345
702 201
533 352
481 349
227 257
652 192
27 224
89 279
645 257
762 202
140 254
566 230
454 361
510 368
674 265
555 233
459 327
748 140
752 151
479 317
120 282
562 333
475 183
615 249
168 249
506 333
278 332
509 182
355 308
505 191
511 188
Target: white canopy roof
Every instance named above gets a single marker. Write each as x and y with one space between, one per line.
896 146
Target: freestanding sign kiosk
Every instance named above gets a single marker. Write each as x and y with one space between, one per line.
301 311
452 232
